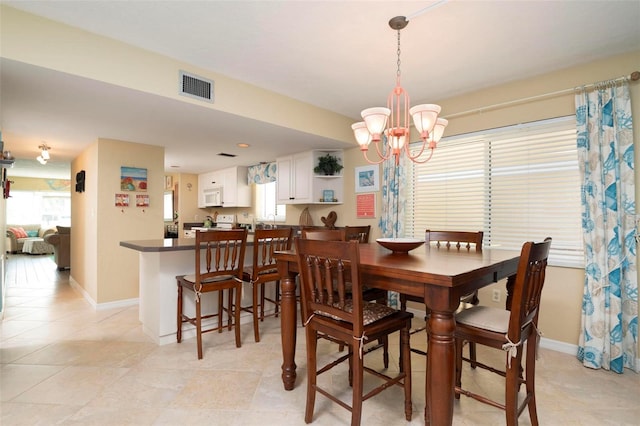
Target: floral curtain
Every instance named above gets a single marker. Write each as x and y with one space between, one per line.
393 198
606 155
392 216
262 173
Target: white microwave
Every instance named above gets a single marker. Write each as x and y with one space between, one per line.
212 197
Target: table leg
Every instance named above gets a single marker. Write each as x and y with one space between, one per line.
440 380
288 330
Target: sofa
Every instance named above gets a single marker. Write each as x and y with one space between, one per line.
61 242
17 235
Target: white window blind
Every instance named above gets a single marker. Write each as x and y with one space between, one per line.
516 184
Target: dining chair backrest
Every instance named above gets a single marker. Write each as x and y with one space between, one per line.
454 239
528 288
223 254
360 233
265 242
330 277
323 234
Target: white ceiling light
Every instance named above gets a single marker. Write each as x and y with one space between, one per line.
44 154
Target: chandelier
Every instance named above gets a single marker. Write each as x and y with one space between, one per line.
44 154
393 121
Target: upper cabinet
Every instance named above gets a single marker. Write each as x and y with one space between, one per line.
237 192
224 188
298 183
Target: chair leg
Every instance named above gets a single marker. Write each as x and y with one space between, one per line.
179 330
385 350
357 374
254 311
458 363
277 298
312 346
406 369
472 354
530 376
199 327
220 309
236 314
512 378
262 286
230 309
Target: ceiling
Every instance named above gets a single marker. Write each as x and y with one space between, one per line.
337 55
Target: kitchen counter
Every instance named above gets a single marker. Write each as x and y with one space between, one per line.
169 244
160 261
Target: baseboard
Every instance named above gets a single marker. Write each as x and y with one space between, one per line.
125 303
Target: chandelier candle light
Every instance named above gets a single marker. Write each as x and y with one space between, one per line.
393 121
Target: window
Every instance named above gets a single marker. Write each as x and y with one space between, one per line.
34 207
266 207
168 212
516 184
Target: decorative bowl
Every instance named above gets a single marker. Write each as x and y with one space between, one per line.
400 245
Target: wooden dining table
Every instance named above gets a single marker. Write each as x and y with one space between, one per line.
439 276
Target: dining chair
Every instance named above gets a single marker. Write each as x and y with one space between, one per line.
326 270
325 234
449 240
219 260
264 269
368 293
360 233
509 331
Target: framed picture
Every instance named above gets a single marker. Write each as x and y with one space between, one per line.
366 206
122 200
327 196
142 200
133 179
368 178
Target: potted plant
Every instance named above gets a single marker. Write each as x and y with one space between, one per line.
328 165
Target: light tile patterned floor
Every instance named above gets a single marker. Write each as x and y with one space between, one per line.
64 363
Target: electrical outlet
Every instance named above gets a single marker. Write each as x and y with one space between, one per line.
496 295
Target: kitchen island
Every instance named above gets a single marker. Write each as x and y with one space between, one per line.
160 261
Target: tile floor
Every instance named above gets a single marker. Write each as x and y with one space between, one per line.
64 363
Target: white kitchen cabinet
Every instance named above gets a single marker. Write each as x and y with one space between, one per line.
233 182
206 182
293 179
297 183
237 192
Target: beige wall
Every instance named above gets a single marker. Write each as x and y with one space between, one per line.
106 271
562 297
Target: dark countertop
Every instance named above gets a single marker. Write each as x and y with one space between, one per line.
167 244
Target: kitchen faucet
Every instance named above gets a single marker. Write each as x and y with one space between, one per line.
273 220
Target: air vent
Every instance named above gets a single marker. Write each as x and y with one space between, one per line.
224 154
196 87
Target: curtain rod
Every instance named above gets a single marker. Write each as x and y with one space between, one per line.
634 76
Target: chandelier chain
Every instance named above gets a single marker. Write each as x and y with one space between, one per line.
398 71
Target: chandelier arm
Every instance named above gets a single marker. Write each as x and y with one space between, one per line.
366 157
382 154
415 158
407 149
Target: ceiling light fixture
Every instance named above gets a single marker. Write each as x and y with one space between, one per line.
44 154
393 121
